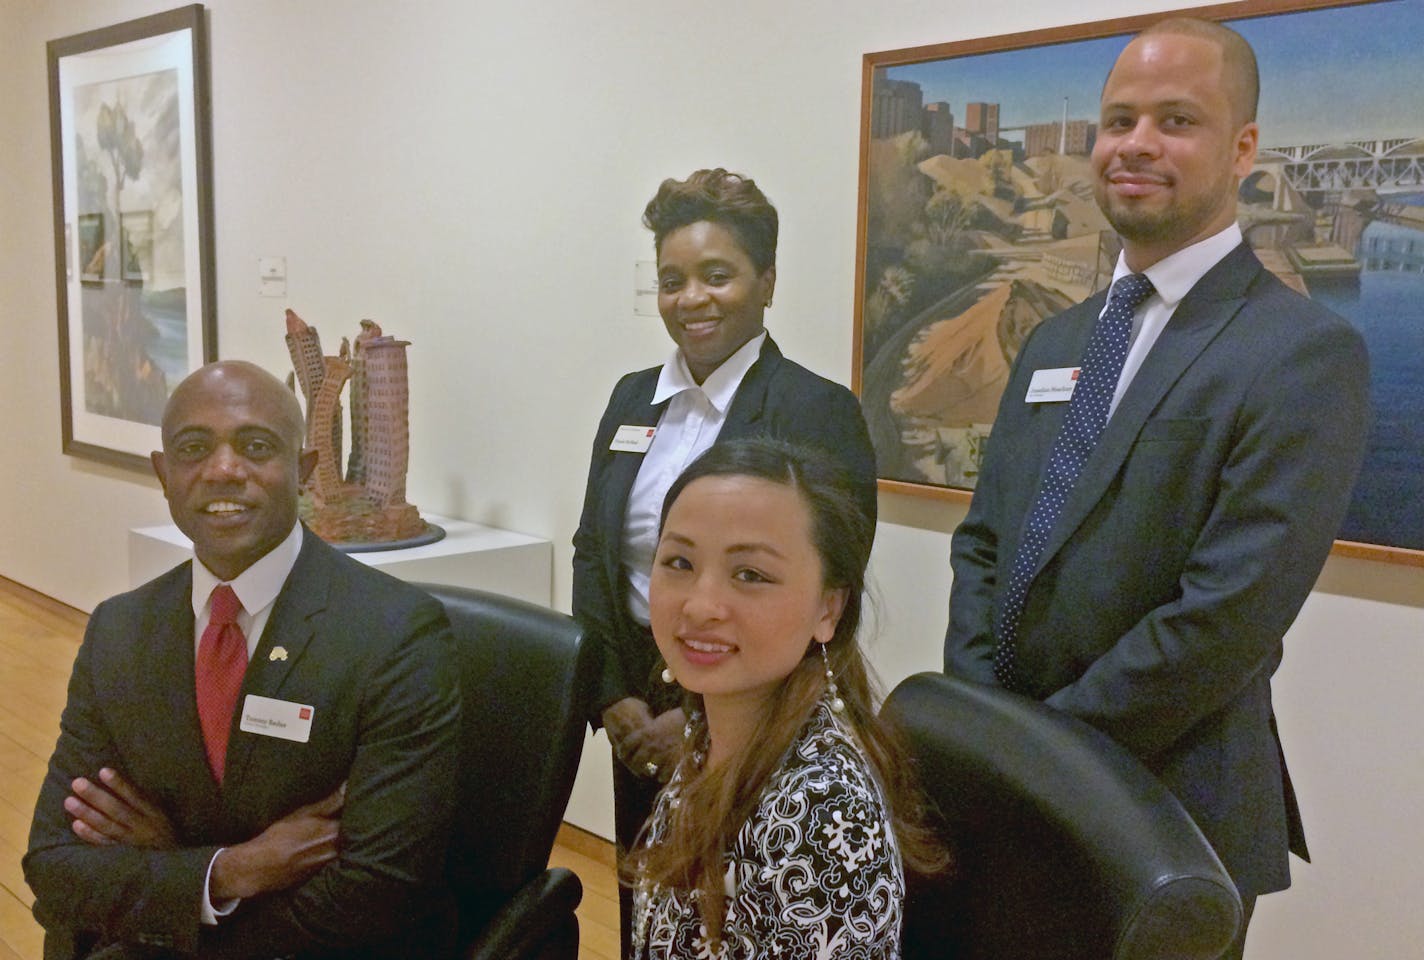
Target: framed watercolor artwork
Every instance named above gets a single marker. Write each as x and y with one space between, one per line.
133 227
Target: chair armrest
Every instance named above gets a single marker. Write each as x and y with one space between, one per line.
540 911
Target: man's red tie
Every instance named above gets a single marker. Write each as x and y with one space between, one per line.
222 660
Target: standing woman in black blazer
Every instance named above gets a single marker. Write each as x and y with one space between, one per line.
715 237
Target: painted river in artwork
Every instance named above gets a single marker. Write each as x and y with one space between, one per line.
1387 307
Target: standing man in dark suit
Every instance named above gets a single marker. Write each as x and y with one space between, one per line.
258 754
1134 555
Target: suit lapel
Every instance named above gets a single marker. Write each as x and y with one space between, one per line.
623 470
749 402
289 631
169 679
745 411
1205 311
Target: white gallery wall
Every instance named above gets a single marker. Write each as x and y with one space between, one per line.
470 175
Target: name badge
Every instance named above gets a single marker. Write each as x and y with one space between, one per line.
276 718
632 439
1052 386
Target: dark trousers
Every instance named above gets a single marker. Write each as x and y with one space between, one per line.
633 798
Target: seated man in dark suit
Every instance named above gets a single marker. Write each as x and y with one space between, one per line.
258 755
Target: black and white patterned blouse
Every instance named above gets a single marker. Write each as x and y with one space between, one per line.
815 872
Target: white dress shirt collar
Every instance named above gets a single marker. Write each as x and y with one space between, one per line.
256 587
1172 279
721 384
1174 276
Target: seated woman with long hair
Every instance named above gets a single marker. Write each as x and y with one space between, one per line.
783 829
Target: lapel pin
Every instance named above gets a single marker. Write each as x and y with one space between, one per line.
278 653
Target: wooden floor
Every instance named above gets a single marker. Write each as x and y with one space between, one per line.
38 639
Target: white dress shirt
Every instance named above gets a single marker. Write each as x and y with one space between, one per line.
1172 278
690 424
256 588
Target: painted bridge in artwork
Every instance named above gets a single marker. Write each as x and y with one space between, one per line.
1379 164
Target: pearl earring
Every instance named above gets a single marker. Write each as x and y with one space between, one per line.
667 675
837 704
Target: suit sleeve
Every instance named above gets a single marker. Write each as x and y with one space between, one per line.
397 820
844 433
831 420
1284 487
147 897
974 555
594 602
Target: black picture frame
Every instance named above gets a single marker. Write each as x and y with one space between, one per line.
131 147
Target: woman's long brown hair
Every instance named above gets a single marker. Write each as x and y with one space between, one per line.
715 803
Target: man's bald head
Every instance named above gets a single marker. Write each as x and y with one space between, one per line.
1239 76
224 376
232 463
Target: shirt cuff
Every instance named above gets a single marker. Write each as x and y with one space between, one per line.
211 913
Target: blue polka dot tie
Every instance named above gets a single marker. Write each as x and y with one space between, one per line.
1083 423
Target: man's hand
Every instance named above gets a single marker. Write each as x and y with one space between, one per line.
113 811
286 853
657 742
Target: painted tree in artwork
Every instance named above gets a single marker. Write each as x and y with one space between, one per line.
119 142
121 378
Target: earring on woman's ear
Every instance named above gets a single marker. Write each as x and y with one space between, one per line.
837 704
667 675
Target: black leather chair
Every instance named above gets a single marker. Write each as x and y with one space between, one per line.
1066 846
525 672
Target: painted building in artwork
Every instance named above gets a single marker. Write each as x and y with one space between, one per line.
1074 138
898 106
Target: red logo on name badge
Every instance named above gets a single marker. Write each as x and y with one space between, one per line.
650 431
304 713
1075 375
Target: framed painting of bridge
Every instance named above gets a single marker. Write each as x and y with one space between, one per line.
977 221
133 227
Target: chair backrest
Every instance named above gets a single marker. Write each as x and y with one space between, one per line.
525 670
1066 846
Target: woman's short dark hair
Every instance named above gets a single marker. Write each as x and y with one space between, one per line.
729 199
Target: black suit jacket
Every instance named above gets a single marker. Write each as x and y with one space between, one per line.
374 657
1187 547
777 398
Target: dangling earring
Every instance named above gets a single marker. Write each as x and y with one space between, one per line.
837 704
667 675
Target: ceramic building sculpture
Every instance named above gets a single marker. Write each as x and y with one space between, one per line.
366 505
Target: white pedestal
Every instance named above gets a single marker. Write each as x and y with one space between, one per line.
591 802
470 555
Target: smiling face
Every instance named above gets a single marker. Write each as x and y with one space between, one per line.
232 463
710 294
1171 146
737 596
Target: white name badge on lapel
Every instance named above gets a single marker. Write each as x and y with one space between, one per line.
276 718
631 438
1052 386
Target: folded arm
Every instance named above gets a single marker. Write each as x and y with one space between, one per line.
146 893
106 868
398 810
